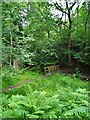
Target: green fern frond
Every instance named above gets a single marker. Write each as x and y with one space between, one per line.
77 111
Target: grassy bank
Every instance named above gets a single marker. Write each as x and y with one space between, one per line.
12 77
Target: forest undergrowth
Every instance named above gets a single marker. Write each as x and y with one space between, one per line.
56 96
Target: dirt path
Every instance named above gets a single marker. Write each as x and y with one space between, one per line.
22 83
19 84
15 86
63 70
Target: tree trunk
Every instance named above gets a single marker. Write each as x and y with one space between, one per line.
69 32
16 63
11 45
69 43
48 33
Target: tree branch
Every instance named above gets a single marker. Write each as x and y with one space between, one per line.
72 6
62 23
60 8
69 13
87 19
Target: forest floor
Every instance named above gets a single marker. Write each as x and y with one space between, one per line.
84 72
63 70
56 92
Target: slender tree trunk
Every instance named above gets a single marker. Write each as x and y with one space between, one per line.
48 33
16 63
69 32
69 43
67 12
11 45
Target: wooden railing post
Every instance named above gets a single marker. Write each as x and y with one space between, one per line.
51 69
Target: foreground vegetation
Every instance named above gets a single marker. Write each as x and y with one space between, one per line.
55 96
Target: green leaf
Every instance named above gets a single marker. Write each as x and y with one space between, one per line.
39 112
46 107
77 111
32 116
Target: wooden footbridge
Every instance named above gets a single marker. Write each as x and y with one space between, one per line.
51 69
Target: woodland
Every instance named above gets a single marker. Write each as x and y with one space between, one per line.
45 66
